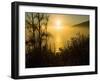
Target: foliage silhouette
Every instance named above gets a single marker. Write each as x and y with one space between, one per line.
76 52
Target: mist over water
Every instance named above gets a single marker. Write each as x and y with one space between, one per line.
61 37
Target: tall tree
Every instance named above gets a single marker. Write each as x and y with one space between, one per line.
42 20
37 24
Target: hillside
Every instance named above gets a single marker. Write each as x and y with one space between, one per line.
83 24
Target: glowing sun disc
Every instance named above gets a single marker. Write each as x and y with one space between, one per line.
58 24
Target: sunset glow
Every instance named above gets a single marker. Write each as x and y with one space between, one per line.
56 39
58 24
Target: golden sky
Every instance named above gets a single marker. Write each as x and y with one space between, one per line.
67 19
60 26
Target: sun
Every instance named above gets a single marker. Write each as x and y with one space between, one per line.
58 25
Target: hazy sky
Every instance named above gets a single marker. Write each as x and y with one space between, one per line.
60 27
68 19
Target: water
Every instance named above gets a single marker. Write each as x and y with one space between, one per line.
62 36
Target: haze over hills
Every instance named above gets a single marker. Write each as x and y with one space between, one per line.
83 24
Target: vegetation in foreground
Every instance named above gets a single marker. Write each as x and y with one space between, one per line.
76 52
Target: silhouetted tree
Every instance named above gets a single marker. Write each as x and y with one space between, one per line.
42 20
37 24
30 29
36 43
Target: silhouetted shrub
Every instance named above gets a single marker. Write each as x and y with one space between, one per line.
77 51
